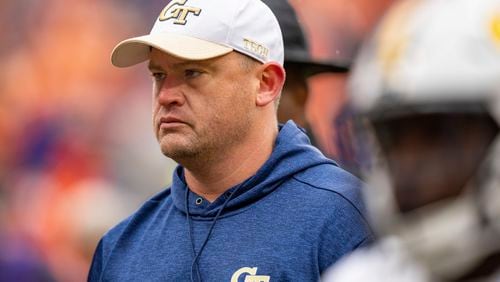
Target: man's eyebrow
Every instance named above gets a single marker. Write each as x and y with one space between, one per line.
180 65
153 67
188 64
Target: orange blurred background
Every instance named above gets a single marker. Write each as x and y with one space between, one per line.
77 153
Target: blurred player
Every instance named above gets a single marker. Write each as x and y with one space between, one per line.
428 86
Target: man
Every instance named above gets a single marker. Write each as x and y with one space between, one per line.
250 200
299 66
428 84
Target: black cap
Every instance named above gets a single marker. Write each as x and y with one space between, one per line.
296 46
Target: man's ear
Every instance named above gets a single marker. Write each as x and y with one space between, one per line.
272 79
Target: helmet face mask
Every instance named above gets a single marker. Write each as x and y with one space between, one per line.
427 87
422 152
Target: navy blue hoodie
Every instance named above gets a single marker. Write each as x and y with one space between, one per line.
295 217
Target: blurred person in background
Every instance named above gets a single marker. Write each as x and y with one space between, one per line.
250 198
427 84
299 66
336 29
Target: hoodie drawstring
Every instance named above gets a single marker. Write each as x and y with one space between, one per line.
188 217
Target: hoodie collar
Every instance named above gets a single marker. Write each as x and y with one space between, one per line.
292 153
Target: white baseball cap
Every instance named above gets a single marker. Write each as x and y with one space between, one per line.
204 29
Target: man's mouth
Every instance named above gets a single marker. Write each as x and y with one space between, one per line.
170 122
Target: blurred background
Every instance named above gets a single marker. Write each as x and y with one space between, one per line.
77 153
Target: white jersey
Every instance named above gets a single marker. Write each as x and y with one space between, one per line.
385 261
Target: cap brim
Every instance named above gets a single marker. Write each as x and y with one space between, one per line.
136 50
313 66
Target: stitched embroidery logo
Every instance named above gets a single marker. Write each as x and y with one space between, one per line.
250 274
177 10
256 48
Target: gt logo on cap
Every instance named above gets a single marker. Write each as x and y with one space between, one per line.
176 10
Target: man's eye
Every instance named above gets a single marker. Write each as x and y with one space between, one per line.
158 76
191 73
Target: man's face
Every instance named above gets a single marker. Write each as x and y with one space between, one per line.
201 108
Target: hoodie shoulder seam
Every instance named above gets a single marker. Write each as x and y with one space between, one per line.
334 192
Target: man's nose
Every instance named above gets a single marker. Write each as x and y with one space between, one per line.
171 92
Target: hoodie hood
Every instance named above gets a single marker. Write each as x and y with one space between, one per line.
292 153
296 216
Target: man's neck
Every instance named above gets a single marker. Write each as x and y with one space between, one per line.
232 165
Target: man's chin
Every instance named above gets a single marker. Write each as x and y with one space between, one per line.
177 151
